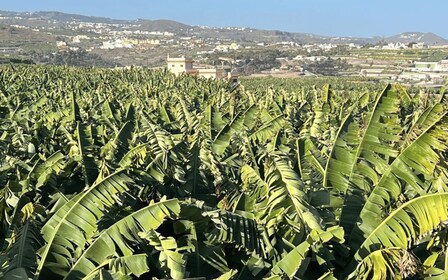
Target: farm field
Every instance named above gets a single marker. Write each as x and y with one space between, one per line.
434 54
138 174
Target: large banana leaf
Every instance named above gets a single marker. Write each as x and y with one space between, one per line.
22 252
120 236
406 225
47 171
342 155
286 192
117 148
68 230
202 246
170 259
88 164
76 116
419 156
362 154
222 140
195 177
121 267
268 130
294 261
390 263
231 228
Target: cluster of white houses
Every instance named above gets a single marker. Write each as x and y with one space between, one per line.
420 73
184 65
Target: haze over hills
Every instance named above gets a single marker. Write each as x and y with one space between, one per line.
238 34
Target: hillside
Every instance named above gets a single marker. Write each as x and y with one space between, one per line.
417 37
60 16
238 34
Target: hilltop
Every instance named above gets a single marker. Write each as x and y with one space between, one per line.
428 38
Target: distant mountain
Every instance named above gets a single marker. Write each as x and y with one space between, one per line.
162 25
60 20
59 16
428 38
37 19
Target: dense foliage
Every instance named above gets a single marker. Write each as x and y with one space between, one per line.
117 174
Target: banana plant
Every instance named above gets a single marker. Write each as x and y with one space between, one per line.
137 173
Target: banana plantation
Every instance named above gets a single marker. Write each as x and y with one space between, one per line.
138 174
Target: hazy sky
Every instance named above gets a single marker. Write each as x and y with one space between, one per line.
325 17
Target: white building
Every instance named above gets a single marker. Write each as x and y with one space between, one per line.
181 65
395 46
